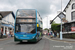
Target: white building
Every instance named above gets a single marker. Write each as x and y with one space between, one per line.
70 11
69 26
8 20
69 21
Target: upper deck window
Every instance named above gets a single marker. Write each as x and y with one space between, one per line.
26 13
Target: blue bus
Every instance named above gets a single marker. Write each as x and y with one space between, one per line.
28 26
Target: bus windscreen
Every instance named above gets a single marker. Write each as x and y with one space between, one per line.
27 28
26 21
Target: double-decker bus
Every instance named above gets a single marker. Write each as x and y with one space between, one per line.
28 26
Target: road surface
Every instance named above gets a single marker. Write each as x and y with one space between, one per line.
44 44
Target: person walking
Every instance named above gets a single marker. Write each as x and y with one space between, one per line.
1 32
11 33
8 34
55 34
48 34
51 34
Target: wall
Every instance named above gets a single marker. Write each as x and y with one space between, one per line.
69 10
68 13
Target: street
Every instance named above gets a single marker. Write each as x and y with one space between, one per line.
44 44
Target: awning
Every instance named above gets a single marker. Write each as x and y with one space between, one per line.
8 25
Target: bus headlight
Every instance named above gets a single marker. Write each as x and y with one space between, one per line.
16 36
33 36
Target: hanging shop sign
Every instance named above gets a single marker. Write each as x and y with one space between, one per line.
72 28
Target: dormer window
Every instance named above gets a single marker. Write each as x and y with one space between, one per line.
73 6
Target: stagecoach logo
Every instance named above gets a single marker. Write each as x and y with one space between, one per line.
24 35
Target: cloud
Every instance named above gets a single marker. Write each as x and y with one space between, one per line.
53 8
46 20
41 5
45 7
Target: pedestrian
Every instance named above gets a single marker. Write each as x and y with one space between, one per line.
55 34
11 33
1 32
51 34
48 34
8 34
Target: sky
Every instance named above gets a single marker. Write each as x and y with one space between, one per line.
48 9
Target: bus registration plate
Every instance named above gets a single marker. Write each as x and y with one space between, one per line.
24 40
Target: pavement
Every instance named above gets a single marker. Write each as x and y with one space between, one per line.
5 38
63 40
44 44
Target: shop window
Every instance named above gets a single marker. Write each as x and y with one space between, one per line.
73 25
69 27
65 30
73 6
73 15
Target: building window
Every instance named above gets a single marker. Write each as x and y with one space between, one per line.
73 25
73 6
73 15
0 16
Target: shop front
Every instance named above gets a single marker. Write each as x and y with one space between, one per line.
8 30
69 30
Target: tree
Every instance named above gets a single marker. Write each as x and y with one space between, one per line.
55 27
53 22
46 29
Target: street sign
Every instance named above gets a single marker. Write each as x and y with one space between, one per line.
72 28
61 15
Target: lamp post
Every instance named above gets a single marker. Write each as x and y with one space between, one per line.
61 31
61 15
61 23
47 22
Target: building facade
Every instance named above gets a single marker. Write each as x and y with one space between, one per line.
7 23
69 26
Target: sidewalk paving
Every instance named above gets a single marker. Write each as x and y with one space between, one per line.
1 39
64 39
